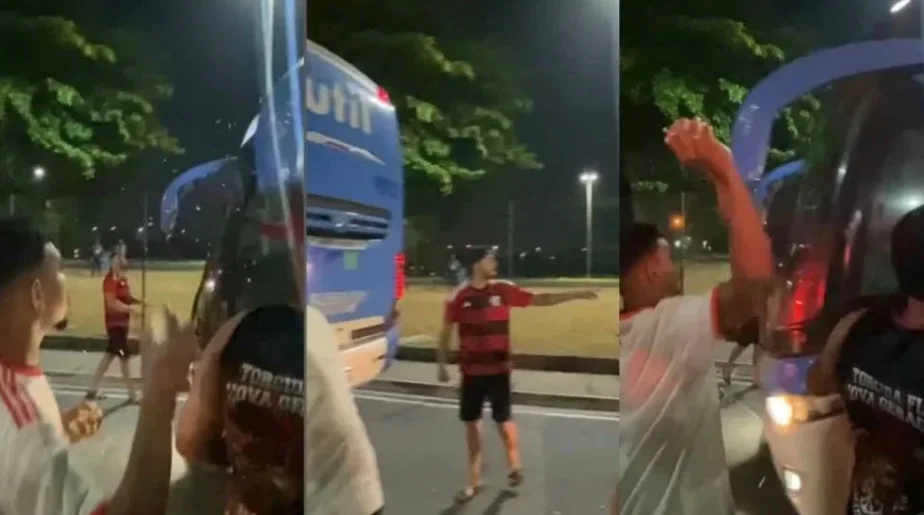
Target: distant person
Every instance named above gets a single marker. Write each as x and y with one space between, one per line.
118 307
747 338
96 259
671 452
122 249
40 476
260 354
457 273
481 308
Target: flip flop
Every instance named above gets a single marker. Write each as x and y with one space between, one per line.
515 477
466 493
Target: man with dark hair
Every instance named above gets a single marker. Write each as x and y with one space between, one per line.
118 306
481 308
872 358
39 477
671 453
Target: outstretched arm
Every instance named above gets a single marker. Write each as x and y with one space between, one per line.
553 299
520 298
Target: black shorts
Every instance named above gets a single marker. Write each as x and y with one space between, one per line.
117 344
476 390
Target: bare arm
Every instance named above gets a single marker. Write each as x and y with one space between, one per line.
749 245
553 299
822 375
117 305
442 348
736 302
695 145
145 486
199 422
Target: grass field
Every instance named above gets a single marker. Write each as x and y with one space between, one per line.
580 328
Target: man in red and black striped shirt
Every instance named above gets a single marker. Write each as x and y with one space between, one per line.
481 308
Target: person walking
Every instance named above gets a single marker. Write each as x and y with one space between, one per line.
96 259
118 305
481 309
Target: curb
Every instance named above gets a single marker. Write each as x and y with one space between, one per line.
535 362
572 364
546 400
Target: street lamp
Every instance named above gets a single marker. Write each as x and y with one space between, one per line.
38 173
589 178
898 6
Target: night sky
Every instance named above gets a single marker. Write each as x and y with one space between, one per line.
567 47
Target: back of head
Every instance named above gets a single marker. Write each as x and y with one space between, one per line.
23 249
263 372
636 241
908 253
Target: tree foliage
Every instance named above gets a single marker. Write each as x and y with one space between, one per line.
701 61
458 98
74 96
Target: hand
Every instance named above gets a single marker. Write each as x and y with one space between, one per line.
442 374
170 360
588 294
82 421
696 146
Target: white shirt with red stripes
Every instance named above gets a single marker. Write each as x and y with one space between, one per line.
671 451
37 474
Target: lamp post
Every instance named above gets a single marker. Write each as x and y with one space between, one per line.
589 178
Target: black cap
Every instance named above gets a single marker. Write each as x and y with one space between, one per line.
908 253
635 242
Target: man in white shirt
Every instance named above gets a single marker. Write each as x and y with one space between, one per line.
671 452
38 476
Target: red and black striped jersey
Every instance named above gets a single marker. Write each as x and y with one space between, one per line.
483 316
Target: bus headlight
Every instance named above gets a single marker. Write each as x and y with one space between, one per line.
792 481
784 410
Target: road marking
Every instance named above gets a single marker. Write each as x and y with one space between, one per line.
438 402
109 393
397 398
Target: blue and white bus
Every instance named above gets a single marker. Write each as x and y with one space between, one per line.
353 203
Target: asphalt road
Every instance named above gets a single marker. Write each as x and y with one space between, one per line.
568 458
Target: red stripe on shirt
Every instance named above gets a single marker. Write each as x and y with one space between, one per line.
17 401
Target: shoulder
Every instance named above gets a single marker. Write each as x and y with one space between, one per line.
679 311
18 409
503 284
459 292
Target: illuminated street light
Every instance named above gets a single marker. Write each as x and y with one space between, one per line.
589 178
898 6
38 173
677 222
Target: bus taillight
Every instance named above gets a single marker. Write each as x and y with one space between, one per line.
399 276
383 95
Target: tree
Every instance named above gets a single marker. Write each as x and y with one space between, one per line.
701 62
458 98
75 97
